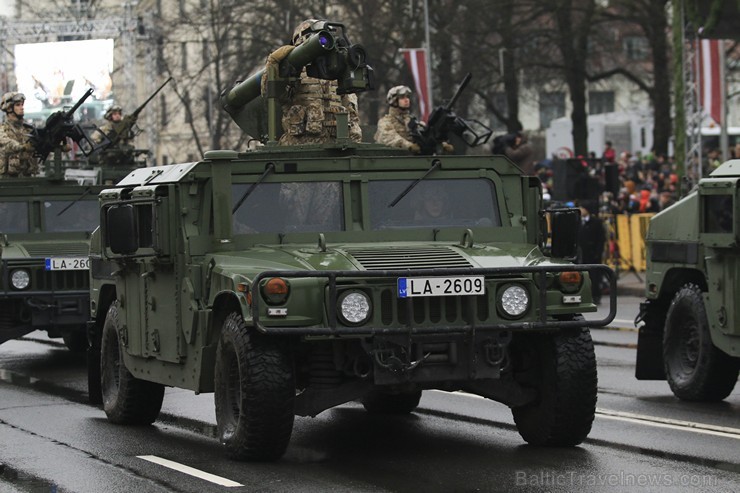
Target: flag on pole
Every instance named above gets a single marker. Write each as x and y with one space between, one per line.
416 58
709 78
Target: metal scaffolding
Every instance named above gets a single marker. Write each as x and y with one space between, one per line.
128 31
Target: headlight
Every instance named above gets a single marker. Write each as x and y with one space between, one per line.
354 307
20 279
514 300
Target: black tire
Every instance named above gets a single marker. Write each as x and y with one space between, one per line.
562 368
76 341
255 393
126 399
695 369
379 402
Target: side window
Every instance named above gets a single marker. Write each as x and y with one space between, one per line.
718 214
13 217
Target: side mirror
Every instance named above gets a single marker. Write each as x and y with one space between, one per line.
121 230
565 224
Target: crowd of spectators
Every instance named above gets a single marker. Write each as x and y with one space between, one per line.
646 183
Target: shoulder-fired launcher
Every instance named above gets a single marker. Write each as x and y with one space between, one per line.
326 54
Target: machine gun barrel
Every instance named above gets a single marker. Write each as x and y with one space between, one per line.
459 91
68 114
136 112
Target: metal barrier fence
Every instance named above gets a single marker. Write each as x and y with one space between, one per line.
625 240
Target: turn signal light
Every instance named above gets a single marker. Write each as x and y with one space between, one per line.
275 290
570 281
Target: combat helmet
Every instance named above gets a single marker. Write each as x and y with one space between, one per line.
396 92
109 112
304 30
9 99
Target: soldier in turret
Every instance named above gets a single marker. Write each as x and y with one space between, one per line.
112 116
16 149
310 105
393 128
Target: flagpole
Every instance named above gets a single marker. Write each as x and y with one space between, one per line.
429 54
724 141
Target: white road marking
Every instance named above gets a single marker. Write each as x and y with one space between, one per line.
647 420
674 424
190 470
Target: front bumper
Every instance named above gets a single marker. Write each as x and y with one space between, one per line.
413 315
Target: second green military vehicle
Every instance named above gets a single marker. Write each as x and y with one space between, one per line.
45 226
691 331
290 280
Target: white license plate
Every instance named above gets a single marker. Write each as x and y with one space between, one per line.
68 263
440 286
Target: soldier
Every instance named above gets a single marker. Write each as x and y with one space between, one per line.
393 128
112 116
309 105
16 149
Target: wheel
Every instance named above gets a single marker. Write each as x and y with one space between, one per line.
379 402
76 341
695 369
254 393
562 368
126 399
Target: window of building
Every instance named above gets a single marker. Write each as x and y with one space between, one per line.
184 57
636 48
600 102
552 106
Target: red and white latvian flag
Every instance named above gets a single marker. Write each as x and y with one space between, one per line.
709 78
417 61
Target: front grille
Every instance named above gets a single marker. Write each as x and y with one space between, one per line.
447 310
43 280
408 258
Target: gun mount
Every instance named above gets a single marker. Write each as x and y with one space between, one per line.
61 125
443 121
326 54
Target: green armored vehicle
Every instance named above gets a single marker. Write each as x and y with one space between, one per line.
292 279
45 227
691 331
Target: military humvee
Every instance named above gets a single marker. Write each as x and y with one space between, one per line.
45 227
691 331
292 280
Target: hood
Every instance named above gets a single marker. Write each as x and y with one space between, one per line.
374 256
32 249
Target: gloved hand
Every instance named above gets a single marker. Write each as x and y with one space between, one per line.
28 147
415 148
447 148
279 55
274 58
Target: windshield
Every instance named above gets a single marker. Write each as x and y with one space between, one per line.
443 203
83 215
289 207
13 217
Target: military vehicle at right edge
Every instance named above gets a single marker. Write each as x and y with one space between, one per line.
292 279
691 331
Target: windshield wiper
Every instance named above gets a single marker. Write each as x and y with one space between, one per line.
269 169
84 194
435 164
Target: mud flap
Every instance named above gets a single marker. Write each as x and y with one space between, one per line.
649 364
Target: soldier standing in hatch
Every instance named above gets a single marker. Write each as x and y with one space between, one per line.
310 105
393 128
16 149
113 117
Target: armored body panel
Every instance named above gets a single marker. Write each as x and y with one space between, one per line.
691 331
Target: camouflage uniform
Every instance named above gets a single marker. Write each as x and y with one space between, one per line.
16 151
393 129
309 112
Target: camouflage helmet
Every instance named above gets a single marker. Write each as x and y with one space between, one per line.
109 113
395 92
304 29
9 99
